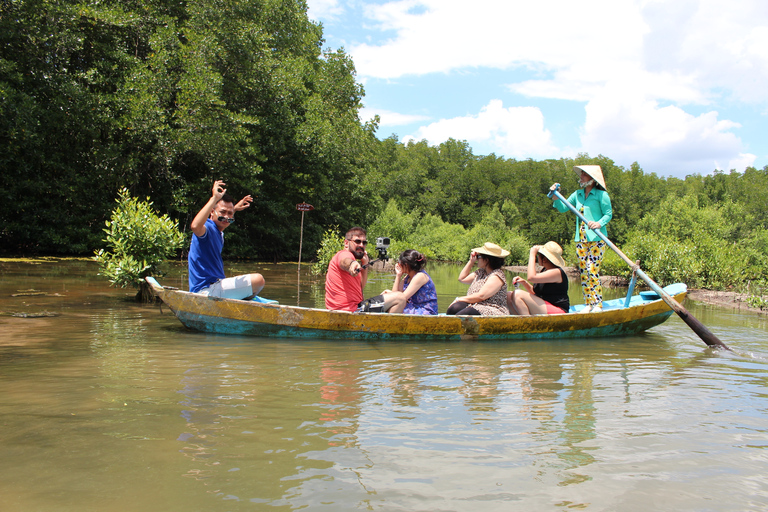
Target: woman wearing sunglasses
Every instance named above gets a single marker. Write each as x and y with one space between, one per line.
487 294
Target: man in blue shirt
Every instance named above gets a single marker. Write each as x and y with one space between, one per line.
206 267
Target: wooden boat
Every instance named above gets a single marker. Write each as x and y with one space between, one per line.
632 315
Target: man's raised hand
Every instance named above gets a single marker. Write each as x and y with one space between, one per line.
244 203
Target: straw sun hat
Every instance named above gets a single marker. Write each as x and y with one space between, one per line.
594 172
553 252
490 249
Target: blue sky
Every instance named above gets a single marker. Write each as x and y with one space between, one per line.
679 86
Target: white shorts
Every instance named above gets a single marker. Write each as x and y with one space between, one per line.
230 288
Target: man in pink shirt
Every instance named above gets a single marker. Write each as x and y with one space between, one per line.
348 274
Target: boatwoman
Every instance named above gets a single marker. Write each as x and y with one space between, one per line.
592 200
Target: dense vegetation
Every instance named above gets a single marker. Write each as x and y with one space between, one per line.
162 97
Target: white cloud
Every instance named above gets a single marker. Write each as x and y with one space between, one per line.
723 45
639 66
388 118
742 161
442 35
516 132
664 139
700 43
323 9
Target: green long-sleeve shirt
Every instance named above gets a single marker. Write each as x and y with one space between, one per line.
597 207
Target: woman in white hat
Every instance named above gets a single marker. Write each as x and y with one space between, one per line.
487 294
592 200
548 295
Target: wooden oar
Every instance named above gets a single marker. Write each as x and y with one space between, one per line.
697 327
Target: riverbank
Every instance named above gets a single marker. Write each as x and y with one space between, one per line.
730 300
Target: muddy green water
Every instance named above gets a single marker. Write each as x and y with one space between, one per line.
110 406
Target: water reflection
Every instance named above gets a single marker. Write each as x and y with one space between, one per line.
340 396
480 378
335 426
112 406
404 376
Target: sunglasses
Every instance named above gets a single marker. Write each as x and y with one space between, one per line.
228 220
359 242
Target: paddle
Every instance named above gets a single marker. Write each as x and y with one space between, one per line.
697 327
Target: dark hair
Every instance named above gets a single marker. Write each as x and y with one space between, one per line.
357 230
494 262
226 198
414 259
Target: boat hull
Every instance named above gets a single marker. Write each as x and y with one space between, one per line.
226 316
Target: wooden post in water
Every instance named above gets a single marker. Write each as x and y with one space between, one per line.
697 327
302 207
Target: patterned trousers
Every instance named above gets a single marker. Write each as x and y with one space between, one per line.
590 257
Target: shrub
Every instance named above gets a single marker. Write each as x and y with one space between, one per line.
757 301
392 223
701 246
442 241
139 241
614 265
438 240
331 243
492 227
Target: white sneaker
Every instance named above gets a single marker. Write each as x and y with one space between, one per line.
597 309
586 309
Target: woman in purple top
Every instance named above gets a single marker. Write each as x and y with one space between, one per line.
415 284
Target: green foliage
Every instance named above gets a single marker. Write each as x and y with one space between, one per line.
393 223
756 301
612 265
444 241
438 240
164 97
758 294
331 242
139 241
702 246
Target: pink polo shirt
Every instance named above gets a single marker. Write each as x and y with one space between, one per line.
343 292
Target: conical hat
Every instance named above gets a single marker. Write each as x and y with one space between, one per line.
594 171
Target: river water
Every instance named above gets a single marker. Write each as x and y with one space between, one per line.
106 405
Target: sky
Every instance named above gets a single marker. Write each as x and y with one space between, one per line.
678 86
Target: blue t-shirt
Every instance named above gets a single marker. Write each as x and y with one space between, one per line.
204 261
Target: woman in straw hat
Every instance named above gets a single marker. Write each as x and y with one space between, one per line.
549 293
592 200
487 294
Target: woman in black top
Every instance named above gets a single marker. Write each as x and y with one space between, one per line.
549 293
